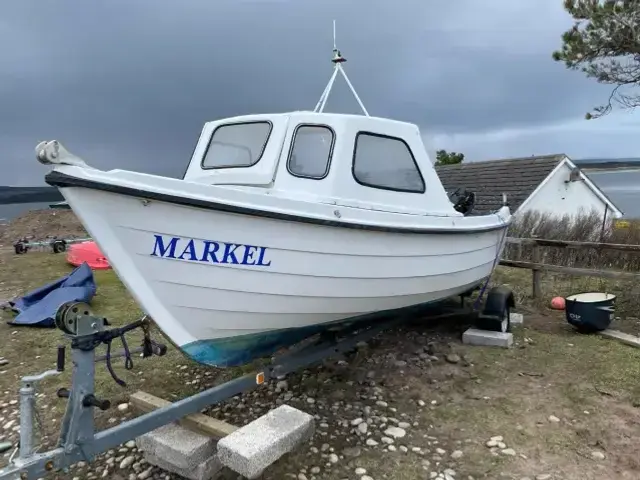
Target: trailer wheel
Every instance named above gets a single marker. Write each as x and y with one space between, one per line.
20 248
496 315
59 246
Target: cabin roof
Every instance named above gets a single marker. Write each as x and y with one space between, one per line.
516 177
323 117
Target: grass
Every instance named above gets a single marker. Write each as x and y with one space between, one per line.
551 371
32 350
561 373
627 292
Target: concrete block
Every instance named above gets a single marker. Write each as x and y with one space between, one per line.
252 448
207 470
486 338
177 446
516 318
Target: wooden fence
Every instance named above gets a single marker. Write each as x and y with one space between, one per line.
537 267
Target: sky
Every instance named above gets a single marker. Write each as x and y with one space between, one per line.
129 84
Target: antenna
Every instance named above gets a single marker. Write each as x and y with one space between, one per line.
334 35
337 60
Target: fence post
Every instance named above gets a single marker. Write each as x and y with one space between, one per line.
536 258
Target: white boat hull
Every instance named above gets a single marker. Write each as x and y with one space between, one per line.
228 287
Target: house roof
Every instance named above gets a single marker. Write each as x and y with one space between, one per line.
515 177
518 178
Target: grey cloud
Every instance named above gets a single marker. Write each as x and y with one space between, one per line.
129 84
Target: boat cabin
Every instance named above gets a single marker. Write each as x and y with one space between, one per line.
350 160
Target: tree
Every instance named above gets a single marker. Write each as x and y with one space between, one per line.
445 158
604 43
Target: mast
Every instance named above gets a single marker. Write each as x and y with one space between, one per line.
337 60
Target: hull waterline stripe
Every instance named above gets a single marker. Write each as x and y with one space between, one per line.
62 180
242 349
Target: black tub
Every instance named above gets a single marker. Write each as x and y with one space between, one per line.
590 311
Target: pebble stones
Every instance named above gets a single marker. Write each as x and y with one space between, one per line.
452 358
395 432
127 462
353 452
457 454
358 417
497 444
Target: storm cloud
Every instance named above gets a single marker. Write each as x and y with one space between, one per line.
128 84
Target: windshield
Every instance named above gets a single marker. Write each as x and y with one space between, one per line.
237 145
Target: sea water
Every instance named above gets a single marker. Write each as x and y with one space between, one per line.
622 187
9 212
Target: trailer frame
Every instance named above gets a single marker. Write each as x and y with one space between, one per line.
85 331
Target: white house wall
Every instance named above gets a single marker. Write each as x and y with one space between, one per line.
559 198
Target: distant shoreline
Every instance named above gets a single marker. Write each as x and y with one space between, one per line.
19 195
605 169
613 165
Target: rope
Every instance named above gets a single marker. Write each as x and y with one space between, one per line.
128 360
107 338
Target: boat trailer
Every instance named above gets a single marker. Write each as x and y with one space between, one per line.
78 439
57 245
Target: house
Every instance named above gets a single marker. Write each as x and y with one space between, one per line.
549 184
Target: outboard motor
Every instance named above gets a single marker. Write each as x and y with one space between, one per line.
463 200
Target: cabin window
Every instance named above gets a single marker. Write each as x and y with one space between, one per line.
311 150
237 145
380 161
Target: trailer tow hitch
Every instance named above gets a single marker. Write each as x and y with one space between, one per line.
86 332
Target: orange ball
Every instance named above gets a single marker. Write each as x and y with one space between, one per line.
558 303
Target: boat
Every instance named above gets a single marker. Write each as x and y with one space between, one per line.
283 226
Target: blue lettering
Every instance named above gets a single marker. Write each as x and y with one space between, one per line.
212 251
209 253
249 250
261 257
190 248
229 253
159 245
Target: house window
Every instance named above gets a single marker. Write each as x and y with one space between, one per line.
237 145
311 150
380 161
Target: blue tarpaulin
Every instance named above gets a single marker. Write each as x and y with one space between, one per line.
38 307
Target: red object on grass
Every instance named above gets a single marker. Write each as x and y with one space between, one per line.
558 303
87 252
